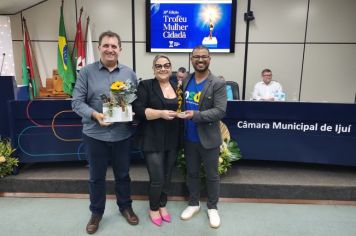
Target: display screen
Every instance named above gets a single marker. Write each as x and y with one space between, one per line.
180 25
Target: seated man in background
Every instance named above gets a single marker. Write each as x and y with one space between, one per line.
267 89
181 75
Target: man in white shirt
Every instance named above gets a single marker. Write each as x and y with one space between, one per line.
266 90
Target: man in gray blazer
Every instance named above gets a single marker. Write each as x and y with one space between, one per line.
205 105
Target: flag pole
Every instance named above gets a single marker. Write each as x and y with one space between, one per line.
75 40
86 30
81 11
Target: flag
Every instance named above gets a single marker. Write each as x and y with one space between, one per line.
25 74
79 51
28 72
64 62
89 47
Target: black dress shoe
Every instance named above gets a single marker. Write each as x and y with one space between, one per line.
130 216
93 224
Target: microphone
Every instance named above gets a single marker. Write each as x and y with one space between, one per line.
2 62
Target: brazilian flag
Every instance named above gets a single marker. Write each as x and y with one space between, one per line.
64 63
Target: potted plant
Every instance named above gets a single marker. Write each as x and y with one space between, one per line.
7 162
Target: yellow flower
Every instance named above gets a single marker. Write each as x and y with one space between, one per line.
117 86
220 160
2 159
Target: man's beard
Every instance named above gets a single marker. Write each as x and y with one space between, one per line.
201 70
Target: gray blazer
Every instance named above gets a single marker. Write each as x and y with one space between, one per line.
212 108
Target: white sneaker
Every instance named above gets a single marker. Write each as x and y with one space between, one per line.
189 212
214 218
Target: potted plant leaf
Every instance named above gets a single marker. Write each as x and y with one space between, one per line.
7 162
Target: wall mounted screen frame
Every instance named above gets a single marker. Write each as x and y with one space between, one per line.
180 25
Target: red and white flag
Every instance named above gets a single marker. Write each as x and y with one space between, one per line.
89 48
79 51
30 74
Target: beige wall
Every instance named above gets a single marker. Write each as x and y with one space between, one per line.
320 70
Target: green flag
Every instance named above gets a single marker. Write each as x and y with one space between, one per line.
64 63
25 75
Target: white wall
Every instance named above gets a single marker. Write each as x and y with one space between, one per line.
312 59
330 56
7 65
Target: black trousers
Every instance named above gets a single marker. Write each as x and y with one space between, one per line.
159 166
195 154
99 154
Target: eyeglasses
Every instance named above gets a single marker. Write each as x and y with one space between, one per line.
204 57
165 66
264 75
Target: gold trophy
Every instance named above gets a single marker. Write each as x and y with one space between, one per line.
179 91
211 28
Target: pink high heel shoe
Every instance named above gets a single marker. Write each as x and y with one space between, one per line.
166 218
156 221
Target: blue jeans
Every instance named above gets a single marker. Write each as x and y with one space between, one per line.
99 154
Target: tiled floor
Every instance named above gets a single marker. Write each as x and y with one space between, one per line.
66 216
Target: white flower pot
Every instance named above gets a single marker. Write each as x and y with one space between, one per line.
118 115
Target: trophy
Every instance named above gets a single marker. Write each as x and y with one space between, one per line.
211 28
211 16
179 92
117 107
